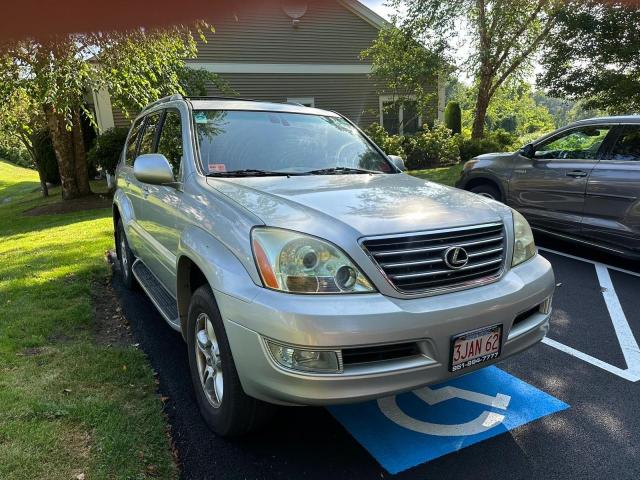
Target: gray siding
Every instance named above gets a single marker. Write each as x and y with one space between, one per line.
351 95
327 33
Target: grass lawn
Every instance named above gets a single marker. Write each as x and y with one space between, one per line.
445 175
70 403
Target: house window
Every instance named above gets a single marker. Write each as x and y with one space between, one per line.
399 117
306 101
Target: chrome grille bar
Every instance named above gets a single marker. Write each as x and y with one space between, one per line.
415 262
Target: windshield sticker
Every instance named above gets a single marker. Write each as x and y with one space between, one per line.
274 119
217 167
201 117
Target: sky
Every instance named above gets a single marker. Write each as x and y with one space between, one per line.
379 7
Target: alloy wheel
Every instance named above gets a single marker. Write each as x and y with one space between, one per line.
208 359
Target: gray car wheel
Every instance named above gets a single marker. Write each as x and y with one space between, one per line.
487 190
226 409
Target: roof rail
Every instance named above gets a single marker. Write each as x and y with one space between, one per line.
221 97
175 96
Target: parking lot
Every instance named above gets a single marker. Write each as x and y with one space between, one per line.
567 408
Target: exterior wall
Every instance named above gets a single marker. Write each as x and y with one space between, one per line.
263 56
328 33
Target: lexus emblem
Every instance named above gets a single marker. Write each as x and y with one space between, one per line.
455 257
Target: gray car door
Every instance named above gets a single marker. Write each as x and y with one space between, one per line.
163 219
147 143
612 204
128 183
549 188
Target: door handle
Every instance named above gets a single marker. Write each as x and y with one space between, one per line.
577 173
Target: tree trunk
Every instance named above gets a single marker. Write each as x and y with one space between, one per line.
80 156
482 103
70 153
43 179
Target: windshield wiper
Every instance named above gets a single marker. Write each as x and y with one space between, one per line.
340 171
250 172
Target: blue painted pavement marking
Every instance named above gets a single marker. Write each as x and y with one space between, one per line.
415 427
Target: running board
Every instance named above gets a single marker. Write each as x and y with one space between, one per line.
161 298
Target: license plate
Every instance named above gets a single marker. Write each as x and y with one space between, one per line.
474 347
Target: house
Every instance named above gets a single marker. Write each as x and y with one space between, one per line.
303 51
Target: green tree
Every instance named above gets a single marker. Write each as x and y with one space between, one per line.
502 36
137 66
453 117
404 68
20 119
593 54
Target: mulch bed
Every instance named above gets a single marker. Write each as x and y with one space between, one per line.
91 202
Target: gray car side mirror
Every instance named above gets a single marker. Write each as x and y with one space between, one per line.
153 168
398 162
527 151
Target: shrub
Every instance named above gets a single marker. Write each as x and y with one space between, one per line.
390 144
16 155
46 155
453 117
432 147
107 149
496 141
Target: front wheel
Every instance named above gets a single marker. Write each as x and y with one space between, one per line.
487 190
226 409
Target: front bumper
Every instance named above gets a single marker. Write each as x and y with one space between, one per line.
339 322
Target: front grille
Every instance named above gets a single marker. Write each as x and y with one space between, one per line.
415 262
379 353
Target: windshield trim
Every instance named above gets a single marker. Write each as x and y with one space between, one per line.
332 114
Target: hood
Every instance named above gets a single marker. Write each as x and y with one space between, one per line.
491 156
369 204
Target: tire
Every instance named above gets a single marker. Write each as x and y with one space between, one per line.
487 190
226 409
126 258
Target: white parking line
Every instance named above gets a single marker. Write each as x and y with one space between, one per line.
626 339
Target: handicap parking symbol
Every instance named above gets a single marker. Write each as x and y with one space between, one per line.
406 430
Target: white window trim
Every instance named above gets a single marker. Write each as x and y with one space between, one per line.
391 98
303 100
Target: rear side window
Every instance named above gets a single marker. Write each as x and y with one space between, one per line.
627 148
149 134
170 141
132 143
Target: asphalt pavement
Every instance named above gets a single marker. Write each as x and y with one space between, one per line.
583 365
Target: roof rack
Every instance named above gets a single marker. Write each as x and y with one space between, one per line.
175 96
221 97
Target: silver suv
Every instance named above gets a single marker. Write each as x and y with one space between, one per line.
302 267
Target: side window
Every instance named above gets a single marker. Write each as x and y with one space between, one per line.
581 143
170 142
149 133
132 143
627 148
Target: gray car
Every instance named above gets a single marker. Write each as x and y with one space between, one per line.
302 267
581 182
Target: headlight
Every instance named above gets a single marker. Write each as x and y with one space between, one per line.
469 164
298 263
523 246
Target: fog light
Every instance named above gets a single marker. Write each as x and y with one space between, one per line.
322 361
545 307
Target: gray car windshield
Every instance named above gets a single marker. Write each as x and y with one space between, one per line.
262 143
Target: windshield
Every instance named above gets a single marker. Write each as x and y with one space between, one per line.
250 143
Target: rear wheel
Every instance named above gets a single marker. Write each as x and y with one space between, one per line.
126 257
226 409
487 190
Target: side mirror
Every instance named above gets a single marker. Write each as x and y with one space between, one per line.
527 151
153 168
398 162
